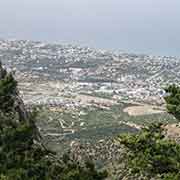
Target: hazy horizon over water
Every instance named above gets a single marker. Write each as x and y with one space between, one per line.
138 26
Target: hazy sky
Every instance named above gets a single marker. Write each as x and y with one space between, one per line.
142 26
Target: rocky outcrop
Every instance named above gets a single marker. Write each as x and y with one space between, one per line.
12 93
9 96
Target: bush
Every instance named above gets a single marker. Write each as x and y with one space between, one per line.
150 154
173 100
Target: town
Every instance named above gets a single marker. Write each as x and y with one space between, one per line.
50 73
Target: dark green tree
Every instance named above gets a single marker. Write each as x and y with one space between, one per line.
150 155
172 99
7 93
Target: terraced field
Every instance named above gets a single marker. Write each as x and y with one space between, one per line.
90 125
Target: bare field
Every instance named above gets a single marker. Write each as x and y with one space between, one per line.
143 110
95 100
173 131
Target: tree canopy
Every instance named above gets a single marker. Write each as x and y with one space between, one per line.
172 99
150 154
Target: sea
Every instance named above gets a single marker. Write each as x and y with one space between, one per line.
133 26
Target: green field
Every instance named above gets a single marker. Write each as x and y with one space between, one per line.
91 124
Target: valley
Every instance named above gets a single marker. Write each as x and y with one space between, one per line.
86 95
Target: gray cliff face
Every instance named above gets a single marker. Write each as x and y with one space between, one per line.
18 108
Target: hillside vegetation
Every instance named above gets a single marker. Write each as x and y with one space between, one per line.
173 100
150 155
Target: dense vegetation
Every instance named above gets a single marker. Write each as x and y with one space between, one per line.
173 100
150 155
7 91
22 156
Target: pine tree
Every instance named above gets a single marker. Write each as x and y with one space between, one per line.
173 100
7 93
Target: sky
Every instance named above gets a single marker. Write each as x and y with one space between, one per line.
138 26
